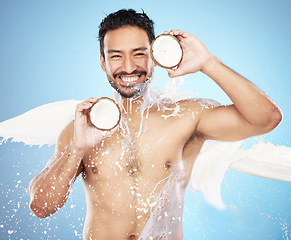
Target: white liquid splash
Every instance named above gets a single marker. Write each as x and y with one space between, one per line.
43 125
166 217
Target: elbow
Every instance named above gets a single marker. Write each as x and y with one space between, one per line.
277 116
40 210
274 118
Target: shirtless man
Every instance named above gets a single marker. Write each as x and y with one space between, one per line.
125 169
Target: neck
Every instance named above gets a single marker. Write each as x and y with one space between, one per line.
135 104
131 105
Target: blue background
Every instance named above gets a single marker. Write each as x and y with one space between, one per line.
49 52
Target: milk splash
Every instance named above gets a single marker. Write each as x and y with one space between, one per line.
165 221
263 159
43 125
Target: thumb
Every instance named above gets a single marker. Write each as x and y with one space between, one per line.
172 73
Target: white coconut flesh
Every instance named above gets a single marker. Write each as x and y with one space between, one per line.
105 114
166 51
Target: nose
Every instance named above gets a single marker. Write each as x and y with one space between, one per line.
129 65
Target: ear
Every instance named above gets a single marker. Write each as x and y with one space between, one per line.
103 65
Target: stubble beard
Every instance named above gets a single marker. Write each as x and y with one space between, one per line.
139 87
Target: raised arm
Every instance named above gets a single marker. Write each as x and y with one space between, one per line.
50 189
252 112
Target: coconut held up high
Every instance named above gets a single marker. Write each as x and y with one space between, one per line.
105 114
166 51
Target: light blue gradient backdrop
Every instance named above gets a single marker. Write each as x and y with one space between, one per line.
49 52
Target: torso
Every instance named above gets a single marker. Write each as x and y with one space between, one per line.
125 174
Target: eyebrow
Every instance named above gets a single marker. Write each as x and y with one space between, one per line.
113 51
134 50
140 49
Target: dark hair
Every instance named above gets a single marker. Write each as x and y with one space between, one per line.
122 18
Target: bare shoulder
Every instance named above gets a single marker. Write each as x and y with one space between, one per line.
192 111
185 115
197 106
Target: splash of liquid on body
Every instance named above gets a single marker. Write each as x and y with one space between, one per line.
165 221
167 208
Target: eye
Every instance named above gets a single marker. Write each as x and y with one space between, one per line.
139 54
115 56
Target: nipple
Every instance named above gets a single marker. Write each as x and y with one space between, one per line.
168 164
95 170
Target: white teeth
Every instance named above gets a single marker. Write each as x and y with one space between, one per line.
129 79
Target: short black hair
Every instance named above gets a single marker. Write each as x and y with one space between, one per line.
122 18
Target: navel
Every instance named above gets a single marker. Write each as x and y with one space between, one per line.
133 169
132 237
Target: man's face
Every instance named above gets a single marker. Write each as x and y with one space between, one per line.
127 60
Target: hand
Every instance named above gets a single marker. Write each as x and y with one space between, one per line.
195 54
85 134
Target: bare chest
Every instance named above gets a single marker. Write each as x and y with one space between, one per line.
129 155
126 173
147 148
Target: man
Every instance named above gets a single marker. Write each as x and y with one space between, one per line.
135 175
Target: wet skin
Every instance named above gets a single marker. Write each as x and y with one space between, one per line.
123 175
124 172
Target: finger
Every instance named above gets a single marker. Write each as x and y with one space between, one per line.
109 133
172 73
83 106
86 104
179 33
82 111
92 100
171 32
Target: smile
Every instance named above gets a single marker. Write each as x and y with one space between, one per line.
129 78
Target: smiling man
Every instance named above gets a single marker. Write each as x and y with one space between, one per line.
135 175
128 67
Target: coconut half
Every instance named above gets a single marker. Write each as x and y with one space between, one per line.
166 51
105 114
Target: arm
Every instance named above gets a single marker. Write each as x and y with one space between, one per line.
50 189
252 112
